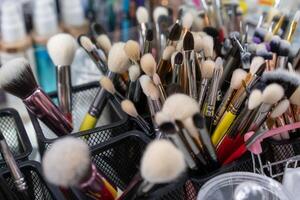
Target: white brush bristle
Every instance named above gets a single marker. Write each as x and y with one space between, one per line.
198 43
156 79
128 107
169 50
161 118
280 108
256 63
67 162
179 45
118 61
219 65
162 162
12 70
238 76
295 97
268 36
180 106
190 126
144 81
132 50
152 91
61 48
255 99
108 85
148 64
86 43
207 69
104 43
208 46
187 20
297 16
142 15
134 72
272 93
158 11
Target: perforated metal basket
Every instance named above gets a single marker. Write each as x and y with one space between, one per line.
15 134
38 189
112 122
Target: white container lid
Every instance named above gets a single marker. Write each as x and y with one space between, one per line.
45 18
12 22
72 13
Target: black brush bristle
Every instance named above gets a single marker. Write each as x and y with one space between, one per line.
97 29
265 54
149 35
175 32
23 85
284 48
274 44
199 121
180 14
178 58
188 41
260 33
213 32
167 127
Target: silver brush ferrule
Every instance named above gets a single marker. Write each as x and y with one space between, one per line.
64 88
282 62
203 88
189 62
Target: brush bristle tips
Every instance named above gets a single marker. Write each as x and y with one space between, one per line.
188 42
162 162
187 20
118 61
148 64
255 99
207 69
108 85
167 53
128 107
142 15
132 50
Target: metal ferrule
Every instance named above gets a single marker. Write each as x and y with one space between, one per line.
18 177
100 99
203 88
39 104
260 116
162 92
281 62
189 63
212 97
227 70
64 88
223 106
289 117
205 138
162 42
143 27
147 47
175 75
94 185
101 65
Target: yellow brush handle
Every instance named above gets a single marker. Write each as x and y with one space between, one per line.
110 188
89 122
222 127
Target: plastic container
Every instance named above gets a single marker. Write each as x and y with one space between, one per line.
243 186
15 134
112 122
38 189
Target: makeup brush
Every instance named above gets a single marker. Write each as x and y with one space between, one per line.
208 47
179 45
164 22
209 110
68 163
274 47
129 108
148 42
198 49
134 73
271 95
61 48
174 34
276 118
207 71
293 27
189 64
159 11
118 63
132 50
18 177
283 53
177 59
104 43
257 67
148 64
142 16
157 82
16 78
161 163
187 22
108 85
164 65
294 99
91 50
237 77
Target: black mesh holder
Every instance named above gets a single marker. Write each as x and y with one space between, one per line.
112 122
38 189
15 135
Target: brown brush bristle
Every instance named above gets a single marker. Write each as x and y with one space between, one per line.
188 42
175 32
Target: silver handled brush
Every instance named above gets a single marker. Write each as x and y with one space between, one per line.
61 48
18 177
142 16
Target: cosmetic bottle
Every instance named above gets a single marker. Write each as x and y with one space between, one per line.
45 25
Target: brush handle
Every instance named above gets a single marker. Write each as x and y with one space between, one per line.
260 116
223 106
228 145
189 64
96 58
39 104
222 127
203 88
64 87
97 187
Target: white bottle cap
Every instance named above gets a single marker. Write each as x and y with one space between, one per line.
72 13
45 18
12 22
